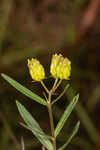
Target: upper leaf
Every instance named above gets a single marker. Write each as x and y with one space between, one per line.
66 114
24 90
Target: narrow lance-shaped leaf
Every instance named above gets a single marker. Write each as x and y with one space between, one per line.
24 90
29 128
71 136
66 114
34 126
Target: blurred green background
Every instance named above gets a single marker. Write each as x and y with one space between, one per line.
40 28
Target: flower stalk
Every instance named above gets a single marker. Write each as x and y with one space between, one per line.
49 106
42 83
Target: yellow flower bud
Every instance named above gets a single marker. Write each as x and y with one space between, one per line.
60 67
36 70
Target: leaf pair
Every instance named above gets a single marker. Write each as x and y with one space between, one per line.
38 132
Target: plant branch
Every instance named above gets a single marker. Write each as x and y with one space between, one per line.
51 120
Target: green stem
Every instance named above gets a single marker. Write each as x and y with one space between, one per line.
56 86
51 120
45 87
49 105
56 80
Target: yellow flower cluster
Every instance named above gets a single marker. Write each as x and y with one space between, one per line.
60 68
36 70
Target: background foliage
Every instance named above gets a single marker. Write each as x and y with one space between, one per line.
35 28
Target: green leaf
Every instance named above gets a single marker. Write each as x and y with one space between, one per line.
34 126
55 100
66 114
71 136
24 90
29 128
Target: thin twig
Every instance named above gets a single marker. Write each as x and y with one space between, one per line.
42 83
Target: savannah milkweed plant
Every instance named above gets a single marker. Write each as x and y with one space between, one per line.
60 69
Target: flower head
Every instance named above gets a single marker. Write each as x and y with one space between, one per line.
60 67
36 70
